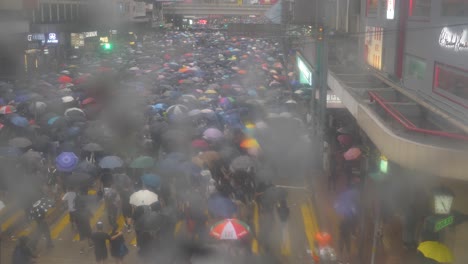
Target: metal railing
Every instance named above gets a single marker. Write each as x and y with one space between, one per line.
401 119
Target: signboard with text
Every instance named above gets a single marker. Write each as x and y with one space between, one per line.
52 38
373 46
456 40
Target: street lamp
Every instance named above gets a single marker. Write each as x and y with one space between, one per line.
443 199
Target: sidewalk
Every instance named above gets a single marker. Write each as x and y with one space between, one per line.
389 248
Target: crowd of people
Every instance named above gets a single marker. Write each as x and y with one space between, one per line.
188 127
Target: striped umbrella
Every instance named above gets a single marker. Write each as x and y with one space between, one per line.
230 229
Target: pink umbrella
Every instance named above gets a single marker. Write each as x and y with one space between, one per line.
345 140
352 154
212 134
7 109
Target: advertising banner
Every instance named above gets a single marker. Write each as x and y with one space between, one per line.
373 47
139 9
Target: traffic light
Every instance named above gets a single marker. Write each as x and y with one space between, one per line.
107 46
383 164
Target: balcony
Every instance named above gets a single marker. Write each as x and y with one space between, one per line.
204 9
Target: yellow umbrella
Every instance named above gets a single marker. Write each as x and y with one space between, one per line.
210 92
436 251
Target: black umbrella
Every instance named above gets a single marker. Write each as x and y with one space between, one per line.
79 178
32 159
20 142
40 208
86 167
92 147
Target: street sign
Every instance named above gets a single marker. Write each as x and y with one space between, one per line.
443 223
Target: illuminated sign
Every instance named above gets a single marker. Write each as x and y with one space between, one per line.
457 41
35 37
52 38
305 73
390 9
90 34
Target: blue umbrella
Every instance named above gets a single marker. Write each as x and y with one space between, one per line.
346 203
66 161
151 180
52 120
111 162
19 121
220 206
172 163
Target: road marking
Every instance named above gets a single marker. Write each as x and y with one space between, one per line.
309 226
133 242
60 226
178 227
32 226
13 219
286 242
256 223
96 217
120 222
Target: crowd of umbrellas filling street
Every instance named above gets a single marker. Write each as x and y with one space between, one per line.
186 127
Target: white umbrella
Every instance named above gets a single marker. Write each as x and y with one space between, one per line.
67 99
143 197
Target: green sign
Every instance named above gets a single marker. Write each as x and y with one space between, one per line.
443 223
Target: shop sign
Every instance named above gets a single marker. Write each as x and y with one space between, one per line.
140 9
90 34
113 32
305 73
333 101
457 41
36 36
373 46
77 40
52 38
390 9
443 223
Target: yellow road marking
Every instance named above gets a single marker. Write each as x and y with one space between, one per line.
286 242
120 222
97 215
256 223
310 225
178 227
60 226
91 192
133 242
15 217
32 226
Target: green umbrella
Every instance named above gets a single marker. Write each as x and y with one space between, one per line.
142 162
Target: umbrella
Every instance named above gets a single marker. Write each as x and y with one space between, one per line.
249 143
66 161
92 147
7 109
64 79
32 158
142 162
19 121
40 208
10 152
221 206
151 180
111 162
352 154
242 163
86 167
37 107
67 99
143 197
74 112
213 134
345 140
436 251
87 101
78 178
345 204
230 229
177 110
20 142
200 144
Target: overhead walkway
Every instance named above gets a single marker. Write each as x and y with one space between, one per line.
405 131
204 9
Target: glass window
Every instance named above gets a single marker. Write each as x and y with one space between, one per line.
68 11
61 12
455 8
372 7
415 68
452 83
46 13
420 8
53 11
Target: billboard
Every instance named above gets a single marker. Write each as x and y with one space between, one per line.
373 46
139 9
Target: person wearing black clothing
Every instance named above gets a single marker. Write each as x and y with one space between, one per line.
118 248
22 253
82 218
99 240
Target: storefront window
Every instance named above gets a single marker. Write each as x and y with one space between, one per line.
420 9
373 47
415 68
451 83
372 7
455 8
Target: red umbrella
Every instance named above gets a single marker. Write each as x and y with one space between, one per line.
352 154
345 140
7 109
200 144
230 229
65 79
89 100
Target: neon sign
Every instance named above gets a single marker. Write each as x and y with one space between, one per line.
390 9
454 40
52 38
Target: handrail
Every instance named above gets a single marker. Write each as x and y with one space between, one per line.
395 115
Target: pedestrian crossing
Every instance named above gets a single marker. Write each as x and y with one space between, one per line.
61 230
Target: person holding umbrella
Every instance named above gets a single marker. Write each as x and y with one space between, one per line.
39 212
82 217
